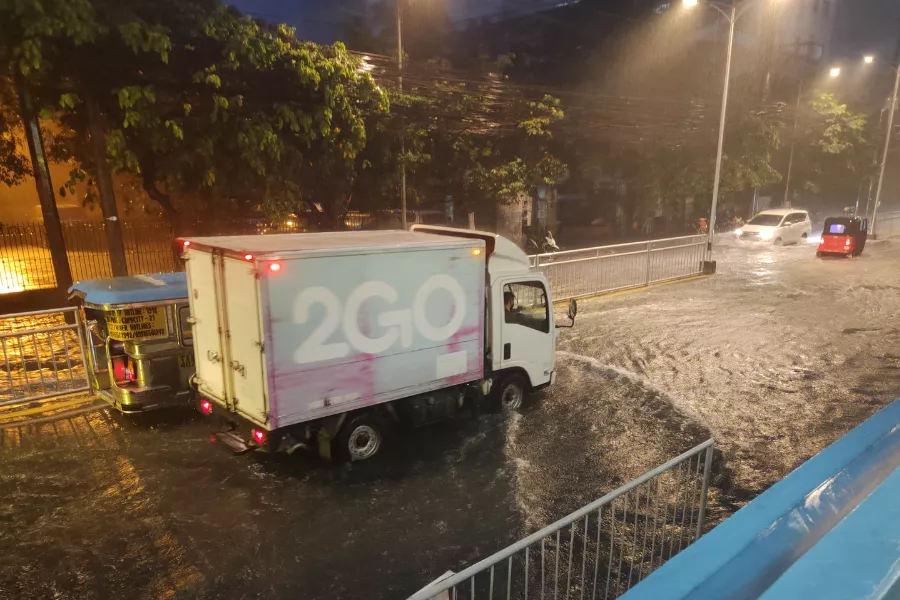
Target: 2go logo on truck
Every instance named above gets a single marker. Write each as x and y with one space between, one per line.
399 323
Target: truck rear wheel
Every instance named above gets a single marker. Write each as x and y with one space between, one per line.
360 438
511 395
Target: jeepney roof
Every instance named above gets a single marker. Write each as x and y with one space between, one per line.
158 287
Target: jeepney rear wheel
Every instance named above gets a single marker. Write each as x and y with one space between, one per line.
361 438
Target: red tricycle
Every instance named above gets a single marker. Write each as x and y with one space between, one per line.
844 236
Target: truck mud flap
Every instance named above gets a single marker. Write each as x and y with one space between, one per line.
233 441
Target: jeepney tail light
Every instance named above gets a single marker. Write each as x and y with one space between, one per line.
123 369
847 243
259 436
206 407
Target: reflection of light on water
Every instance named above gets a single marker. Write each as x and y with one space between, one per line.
814 239
766 259
11 279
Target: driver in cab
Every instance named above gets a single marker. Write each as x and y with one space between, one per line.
509 305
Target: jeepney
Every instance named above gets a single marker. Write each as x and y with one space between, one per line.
138 340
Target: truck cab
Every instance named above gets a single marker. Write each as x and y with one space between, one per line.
521 333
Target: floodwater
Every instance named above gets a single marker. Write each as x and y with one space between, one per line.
776 357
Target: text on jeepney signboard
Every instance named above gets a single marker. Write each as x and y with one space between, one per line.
129 324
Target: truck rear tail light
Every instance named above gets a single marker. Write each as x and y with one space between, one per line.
259 436
206 407
274 267
248 257
847 243
186 243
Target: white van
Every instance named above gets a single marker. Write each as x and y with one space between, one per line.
779 226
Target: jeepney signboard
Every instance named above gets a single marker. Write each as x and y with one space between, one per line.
128 324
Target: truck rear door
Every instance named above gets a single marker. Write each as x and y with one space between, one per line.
202 271
243 334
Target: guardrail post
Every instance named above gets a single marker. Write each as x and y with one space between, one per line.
649 246
707 468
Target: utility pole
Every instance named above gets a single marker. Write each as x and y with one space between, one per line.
787 185
887 148
44 186
113 227
402 121
732 17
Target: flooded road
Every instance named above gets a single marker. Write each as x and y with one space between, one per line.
776 356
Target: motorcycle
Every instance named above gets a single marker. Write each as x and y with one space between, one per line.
547 246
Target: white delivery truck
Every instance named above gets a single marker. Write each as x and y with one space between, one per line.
325 339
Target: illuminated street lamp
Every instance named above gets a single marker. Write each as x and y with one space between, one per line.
869 59
732 12
887 142
835 72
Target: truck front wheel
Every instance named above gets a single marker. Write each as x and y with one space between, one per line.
511 394
360 438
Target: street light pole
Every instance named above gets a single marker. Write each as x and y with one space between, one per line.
887 148
787 185
403 222
732 19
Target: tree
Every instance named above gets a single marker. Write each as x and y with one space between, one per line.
833 147
482 142
28 31
214 111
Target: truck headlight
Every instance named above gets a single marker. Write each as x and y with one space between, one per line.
738 232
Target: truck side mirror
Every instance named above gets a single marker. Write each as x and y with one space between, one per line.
573 310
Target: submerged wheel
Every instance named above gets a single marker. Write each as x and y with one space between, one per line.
359 439
818 255
511 394
779 242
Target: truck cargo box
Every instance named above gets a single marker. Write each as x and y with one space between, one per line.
291 328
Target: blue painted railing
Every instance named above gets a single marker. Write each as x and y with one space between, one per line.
830 530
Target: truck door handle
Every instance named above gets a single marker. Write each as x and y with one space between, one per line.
236 366
212 356
507 351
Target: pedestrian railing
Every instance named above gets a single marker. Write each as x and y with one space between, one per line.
41 355
601 550
582 273
887 225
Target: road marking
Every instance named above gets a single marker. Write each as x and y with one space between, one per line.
633 290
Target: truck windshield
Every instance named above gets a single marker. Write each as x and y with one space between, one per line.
526 304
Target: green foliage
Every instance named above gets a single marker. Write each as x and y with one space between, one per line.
833 145
479 143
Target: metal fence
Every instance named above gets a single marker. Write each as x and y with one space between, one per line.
41 355
580 273
601 550
25 262
887 225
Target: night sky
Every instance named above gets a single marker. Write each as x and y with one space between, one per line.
862 26
865 26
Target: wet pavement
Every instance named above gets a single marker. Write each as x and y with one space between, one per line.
776 356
